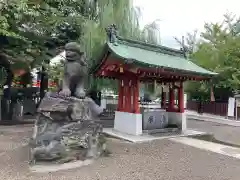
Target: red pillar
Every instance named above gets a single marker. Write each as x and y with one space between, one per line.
171 98
181 98
120 95
136 96
124 96
128 105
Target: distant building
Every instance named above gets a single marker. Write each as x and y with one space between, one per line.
35 72
58 58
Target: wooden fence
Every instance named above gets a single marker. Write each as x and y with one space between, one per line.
216 108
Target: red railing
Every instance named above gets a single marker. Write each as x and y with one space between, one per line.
35 84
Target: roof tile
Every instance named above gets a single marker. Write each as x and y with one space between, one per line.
159 56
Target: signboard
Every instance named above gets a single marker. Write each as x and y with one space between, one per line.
231 106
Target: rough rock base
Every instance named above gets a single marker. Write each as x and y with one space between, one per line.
65 130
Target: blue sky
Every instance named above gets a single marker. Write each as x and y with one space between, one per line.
181 16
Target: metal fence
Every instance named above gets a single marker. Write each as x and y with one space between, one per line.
18 109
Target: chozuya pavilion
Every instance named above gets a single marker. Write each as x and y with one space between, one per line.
131 62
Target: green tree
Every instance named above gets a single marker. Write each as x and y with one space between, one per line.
31 30
218 50
151 33
121 13
188 43
55 71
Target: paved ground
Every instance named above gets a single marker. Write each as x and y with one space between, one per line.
221 132
162 160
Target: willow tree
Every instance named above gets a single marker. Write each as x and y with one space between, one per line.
151 33
97 15
107 12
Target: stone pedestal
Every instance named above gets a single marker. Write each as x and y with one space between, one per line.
179 119
129 123
66 130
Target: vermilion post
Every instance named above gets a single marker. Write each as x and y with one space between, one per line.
136 96
124 96
124 107
181 98
120 95
128 105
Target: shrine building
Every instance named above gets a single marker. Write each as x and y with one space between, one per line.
131 62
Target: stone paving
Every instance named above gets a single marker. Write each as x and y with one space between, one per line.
160 160
225 133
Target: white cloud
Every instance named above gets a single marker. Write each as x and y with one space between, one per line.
178 17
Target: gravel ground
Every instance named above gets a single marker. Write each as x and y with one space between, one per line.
221 132
12 137
156 160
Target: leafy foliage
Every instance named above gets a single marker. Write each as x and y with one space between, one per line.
55 72
32 31
121 13
218 50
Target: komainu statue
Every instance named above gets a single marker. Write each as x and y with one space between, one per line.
75 71
67 127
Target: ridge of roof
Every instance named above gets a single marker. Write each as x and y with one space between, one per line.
151 47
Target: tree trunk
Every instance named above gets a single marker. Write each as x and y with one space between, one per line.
6 101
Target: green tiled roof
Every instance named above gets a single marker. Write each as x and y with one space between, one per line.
143 54
158 56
